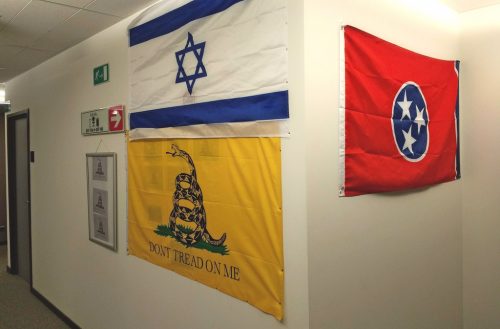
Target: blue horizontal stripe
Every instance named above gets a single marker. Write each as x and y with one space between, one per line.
177 18
272 106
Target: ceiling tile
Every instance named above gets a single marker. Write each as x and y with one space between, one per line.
74 3
3 40
29 58
56 41
35 20
7 74
467 5
121 8
7 54
76 29
9 9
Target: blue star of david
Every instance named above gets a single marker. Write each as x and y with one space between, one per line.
200 72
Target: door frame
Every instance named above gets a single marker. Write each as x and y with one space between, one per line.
11 165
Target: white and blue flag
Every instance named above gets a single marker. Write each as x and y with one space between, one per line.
202 69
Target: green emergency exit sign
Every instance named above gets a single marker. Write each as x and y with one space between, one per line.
101 74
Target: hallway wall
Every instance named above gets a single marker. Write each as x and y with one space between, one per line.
377 261
387 260
3 187
96 287
481 210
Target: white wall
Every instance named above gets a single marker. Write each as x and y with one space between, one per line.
98 288
386 260
480 135
376 261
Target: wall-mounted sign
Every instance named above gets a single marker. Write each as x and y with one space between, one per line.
101 192
101 74
104 121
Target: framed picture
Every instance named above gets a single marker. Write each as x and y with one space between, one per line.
101 194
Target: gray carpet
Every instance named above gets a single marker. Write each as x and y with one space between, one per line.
19 309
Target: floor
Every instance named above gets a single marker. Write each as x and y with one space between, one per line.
19 309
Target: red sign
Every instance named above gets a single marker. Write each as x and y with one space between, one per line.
115 118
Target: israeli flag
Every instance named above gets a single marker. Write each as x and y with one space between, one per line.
202 69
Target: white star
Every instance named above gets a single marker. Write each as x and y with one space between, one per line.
405 106
419 120
409 141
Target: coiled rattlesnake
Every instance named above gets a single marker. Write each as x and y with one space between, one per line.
187 188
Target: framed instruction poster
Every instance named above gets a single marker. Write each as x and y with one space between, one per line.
101 193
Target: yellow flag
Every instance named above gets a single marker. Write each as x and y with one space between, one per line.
210 210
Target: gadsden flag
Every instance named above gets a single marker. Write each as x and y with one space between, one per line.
210 210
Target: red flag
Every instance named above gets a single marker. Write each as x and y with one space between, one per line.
398 117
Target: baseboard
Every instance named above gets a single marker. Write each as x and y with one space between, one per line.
54 309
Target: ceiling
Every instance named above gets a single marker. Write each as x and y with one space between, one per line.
467 5
32 31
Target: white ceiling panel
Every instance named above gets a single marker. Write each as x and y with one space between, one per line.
8 53
57 41
121 8
74 3
3 40
74 30
9 9
31 31
467 5
89 23
31 58
35 20
8 73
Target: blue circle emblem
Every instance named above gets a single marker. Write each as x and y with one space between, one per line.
410 122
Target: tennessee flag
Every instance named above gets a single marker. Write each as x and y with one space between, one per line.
398 117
